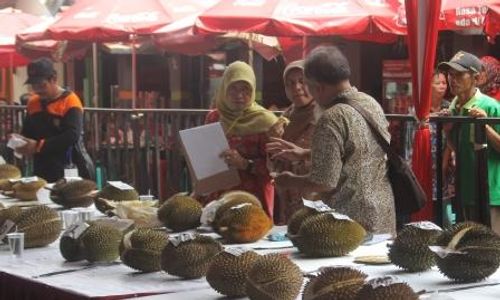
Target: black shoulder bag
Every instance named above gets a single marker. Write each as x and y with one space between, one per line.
409 197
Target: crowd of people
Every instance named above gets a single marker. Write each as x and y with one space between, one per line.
325 150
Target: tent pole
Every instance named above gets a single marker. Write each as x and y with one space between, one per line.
134 70
95 75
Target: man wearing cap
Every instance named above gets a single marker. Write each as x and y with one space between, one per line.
53 126
463 74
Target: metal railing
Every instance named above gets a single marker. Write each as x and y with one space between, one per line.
141 147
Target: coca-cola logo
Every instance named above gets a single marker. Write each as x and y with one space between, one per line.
323 9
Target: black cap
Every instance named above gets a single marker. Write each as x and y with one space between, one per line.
40 70
462 62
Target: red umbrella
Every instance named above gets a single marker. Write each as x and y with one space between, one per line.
11 22
302 17
492 22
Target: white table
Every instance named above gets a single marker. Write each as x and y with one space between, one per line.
119 280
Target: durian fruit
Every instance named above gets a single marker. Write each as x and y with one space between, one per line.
70 245
190 258
41 226
327 235
274 276
11 213
141 249
339 283
227 273
110 192
231 199
7 172
244 223
479 255
26 191
74 193
101 243
296 221
386 289
180 213
410 250
71 249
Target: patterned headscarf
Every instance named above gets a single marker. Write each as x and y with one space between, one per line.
254 118
492 68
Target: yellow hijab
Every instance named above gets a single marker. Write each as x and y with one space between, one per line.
254 118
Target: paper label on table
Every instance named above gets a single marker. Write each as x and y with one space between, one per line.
241 205
425 225
182 238
318 205
29 179
338 216
443 251
6 227
237 251
71 179
70 173
120 185
76 230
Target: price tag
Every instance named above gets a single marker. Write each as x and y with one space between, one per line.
76 230
338 216
237 251
383 281
425 225
318 205
6 227
443 251
241 205
120 185
182 238
29 179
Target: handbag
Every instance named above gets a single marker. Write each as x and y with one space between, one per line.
409 197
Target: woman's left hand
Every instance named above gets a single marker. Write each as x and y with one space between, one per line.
234 159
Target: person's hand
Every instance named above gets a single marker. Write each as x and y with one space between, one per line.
284 150
234 159
29 148
283 179
477 112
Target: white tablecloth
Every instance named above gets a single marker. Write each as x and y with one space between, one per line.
119 279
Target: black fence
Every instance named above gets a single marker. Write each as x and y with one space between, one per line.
141 147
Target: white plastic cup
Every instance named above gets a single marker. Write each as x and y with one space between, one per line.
69 217
16 243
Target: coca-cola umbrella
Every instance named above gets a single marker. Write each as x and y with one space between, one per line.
118 20
464 15
492 22
302 17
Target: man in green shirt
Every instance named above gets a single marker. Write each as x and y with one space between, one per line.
463 74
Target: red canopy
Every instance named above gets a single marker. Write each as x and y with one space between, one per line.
302 17
464 14
105 21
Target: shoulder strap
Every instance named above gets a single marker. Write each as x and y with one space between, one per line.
371 122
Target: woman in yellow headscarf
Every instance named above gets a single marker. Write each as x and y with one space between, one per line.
246 124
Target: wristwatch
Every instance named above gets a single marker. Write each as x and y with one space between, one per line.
250 165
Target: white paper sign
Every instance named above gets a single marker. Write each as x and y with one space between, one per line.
203 145
425 225
237 251
383 281
71 173
120 185
182 238
319 205
338 216
29 179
